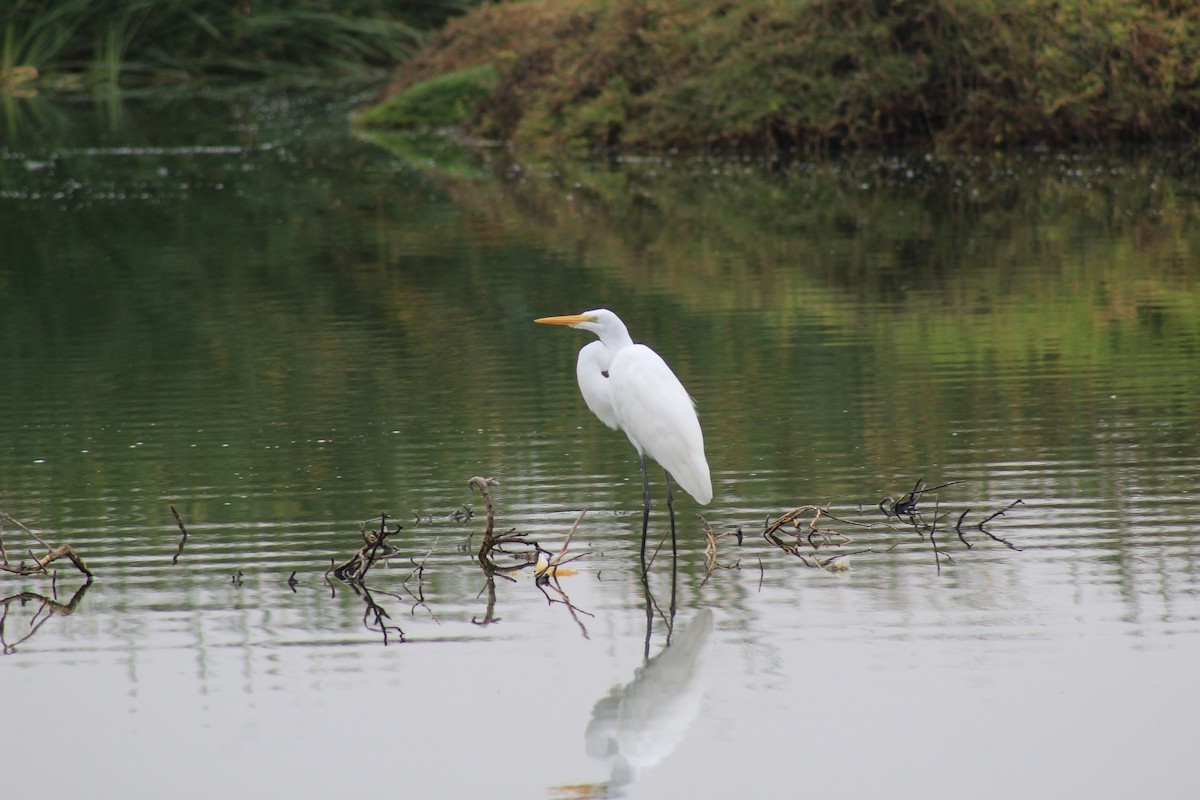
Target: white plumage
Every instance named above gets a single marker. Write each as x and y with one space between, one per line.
629 387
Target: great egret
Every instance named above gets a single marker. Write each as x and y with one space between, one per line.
629 386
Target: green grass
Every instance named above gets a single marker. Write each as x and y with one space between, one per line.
82 43
822 75
442 101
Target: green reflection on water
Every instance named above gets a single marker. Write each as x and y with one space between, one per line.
233 298
233 307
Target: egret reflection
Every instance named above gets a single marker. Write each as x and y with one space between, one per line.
637 725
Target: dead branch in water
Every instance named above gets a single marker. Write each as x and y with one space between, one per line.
182 539
353 573
419 573
38 567
999 513
460 514
938 554
482 485
907 509
494 543
710 549
546 565
827 537
792 542
805 532
906 504
375 550
547 573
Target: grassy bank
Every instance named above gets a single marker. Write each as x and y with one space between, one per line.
819 74
79 44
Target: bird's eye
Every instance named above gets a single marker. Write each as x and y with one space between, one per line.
604 372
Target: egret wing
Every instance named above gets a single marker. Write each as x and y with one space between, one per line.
590 371
659 417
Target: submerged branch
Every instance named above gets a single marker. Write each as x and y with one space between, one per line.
791 542
375 549
804 532
907 508
710 549
1001 513
38 567
182 539
494 543
547 565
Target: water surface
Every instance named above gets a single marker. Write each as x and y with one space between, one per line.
232 306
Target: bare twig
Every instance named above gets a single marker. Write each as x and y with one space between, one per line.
958 529
373 551
907 508
494 543
38 567
710 549
657 549
1001 513
550 567
482 485
419 573
183 538
937 559
547 577
906 504
790 541
460 514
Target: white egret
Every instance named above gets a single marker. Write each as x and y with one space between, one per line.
629 387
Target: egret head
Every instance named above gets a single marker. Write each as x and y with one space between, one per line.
600 321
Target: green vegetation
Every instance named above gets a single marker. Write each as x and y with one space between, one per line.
438 102
826 74
83 44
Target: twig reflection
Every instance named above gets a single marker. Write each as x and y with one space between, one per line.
46 609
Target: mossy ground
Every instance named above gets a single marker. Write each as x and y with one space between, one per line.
443 100
817 75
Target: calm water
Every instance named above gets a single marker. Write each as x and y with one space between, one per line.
233 307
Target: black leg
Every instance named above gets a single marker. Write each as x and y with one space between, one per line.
671 510
645 505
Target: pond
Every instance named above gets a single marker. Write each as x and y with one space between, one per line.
232 307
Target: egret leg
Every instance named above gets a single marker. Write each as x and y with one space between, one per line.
646 503
670 510
674 554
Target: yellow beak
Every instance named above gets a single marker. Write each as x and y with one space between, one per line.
570 319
